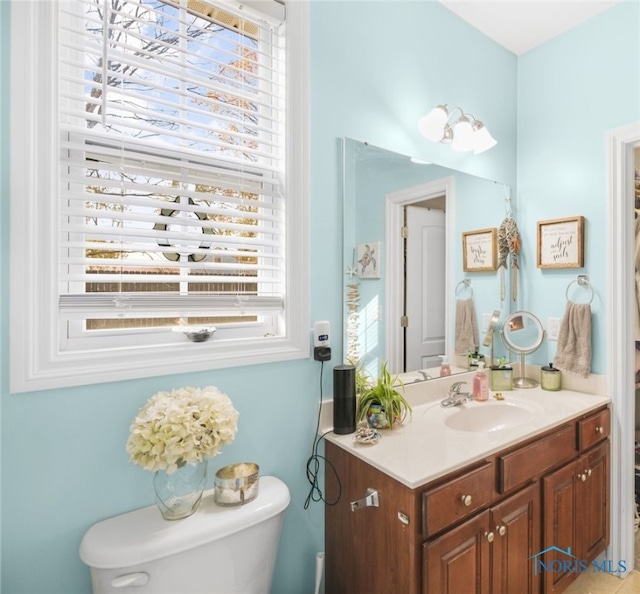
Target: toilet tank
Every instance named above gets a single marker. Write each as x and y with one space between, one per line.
217 550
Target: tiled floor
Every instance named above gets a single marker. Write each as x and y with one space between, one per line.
605 583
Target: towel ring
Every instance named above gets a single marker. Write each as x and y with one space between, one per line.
466 284
583 281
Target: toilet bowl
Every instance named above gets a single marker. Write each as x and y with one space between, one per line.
217 550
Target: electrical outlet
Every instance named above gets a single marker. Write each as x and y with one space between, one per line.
553 328
486 320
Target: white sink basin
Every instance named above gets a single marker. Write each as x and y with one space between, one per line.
486 417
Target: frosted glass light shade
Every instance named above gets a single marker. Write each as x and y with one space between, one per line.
466 133
462 135
432 125
482 140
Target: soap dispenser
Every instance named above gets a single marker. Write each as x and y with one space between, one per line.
481 384
445 368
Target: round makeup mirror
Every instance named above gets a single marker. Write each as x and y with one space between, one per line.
522 333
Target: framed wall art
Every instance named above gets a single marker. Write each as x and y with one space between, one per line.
561 243
479 250
369 258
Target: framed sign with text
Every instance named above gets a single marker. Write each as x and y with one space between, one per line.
479 250
561 243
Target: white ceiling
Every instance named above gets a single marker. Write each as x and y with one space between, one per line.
520 26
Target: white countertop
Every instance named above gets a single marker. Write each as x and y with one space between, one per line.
426 448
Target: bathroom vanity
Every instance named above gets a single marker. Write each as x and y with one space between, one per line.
455 502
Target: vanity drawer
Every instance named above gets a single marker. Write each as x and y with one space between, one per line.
594 429
523 464
456 499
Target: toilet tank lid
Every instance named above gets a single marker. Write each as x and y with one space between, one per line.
144 535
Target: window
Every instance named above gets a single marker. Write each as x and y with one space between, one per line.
157 190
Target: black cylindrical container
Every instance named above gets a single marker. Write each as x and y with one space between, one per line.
344 399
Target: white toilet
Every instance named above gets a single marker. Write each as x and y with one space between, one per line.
217 550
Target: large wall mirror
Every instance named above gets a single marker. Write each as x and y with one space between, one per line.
403 255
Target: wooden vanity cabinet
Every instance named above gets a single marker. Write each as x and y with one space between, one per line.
478 530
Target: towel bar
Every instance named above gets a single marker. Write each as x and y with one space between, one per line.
583 281
466 284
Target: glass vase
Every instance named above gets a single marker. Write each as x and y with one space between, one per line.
179 494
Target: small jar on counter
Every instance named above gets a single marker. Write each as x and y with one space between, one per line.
550 378
473 359
501 378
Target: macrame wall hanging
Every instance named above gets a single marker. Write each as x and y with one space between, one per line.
508 245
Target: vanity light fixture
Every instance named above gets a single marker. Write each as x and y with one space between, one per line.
464 132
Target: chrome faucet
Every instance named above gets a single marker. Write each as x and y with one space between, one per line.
456 397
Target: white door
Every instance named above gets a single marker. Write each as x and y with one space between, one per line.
425 287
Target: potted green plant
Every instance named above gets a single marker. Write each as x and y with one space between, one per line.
381 403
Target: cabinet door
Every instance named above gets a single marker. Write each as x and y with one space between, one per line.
576 517
458 561
559 491
593 503
516 525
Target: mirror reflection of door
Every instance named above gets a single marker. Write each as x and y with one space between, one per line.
424 284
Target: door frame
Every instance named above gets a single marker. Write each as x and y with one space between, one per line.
394 261
621 360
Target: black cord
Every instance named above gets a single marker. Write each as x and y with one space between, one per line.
314 461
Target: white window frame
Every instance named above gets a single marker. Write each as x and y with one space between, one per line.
36 360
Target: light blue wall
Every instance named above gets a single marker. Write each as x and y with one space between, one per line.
376 67
571 92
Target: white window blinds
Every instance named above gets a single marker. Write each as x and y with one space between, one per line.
172 160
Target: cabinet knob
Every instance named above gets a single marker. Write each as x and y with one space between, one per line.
489 536
582 477
501 530
599 430
588 471
466 500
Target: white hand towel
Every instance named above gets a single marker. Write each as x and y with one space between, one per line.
574 340
466 338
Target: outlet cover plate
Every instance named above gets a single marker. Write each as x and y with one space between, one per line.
553 328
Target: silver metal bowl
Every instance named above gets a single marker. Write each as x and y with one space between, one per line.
236 484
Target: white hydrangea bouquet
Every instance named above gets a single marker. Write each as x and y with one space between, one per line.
180 427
